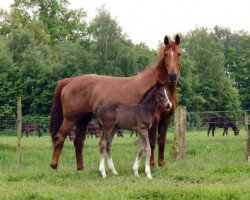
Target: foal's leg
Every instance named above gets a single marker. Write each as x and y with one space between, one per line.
138 158
108 149
59 140
102 145
147 149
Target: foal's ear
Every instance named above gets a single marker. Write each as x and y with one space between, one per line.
164 83
158 84
166 40
177 39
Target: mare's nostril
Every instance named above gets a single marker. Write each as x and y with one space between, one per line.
172 77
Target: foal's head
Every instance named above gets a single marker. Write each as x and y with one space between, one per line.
161 95
172 58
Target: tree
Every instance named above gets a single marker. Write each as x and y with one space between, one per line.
213 90
61 23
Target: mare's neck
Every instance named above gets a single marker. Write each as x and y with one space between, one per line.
148 77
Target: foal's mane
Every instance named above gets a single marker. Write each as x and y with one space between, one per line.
147 93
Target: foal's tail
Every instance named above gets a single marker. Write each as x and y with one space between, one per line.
56 116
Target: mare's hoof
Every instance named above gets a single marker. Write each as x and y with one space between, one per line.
161 163
152 163
80 168
54 167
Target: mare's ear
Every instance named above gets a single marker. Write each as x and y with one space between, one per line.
166 40
177 39
158 84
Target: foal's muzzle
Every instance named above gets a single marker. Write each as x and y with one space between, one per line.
168 106
172 77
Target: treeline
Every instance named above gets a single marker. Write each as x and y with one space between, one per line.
42 42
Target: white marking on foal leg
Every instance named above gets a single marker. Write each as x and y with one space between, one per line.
136 165
102 166
111 165
147 167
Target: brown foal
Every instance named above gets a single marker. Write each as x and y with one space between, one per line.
138 117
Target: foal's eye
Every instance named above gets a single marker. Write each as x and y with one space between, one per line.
179 54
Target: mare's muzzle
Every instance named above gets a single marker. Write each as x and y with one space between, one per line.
172 77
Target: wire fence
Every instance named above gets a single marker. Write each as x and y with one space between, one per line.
42 147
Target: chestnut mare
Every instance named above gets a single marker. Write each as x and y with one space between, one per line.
76 99
138 117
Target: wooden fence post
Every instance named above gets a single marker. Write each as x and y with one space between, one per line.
246 120
248 144
19 131
179 143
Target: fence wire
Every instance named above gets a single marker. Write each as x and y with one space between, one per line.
38 150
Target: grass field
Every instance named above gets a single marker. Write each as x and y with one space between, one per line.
214 168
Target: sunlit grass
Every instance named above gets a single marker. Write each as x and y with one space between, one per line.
214 168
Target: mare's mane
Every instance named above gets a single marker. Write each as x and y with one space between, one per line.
171 45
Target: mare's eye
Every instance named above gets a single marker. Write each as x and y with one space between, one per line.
179 54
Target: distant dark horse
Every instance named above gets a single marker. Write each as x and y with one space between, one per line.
221 122
92 129
33 127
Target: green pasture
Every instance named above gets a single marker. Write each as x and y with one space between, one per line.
214 168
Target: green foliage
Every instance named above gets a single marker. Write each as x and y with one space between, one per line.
42 42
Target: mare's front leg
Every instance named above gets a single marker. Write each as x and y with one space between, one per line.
80 136
152 140
59 141
162 131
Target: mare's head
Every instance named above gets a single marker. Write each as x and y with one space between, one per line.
172 58
161 95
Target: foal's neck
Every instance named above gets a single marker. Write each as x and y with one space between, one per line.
149 103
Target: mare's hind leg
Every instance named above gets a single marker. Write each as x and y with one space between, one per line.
138 158
59 140
81 128
108 149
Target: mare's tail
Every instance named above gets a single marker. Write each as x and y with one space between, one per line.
56 116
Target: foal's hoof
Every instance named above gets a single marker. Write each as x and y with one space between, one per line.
104 175
161 163
149 176
115 172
